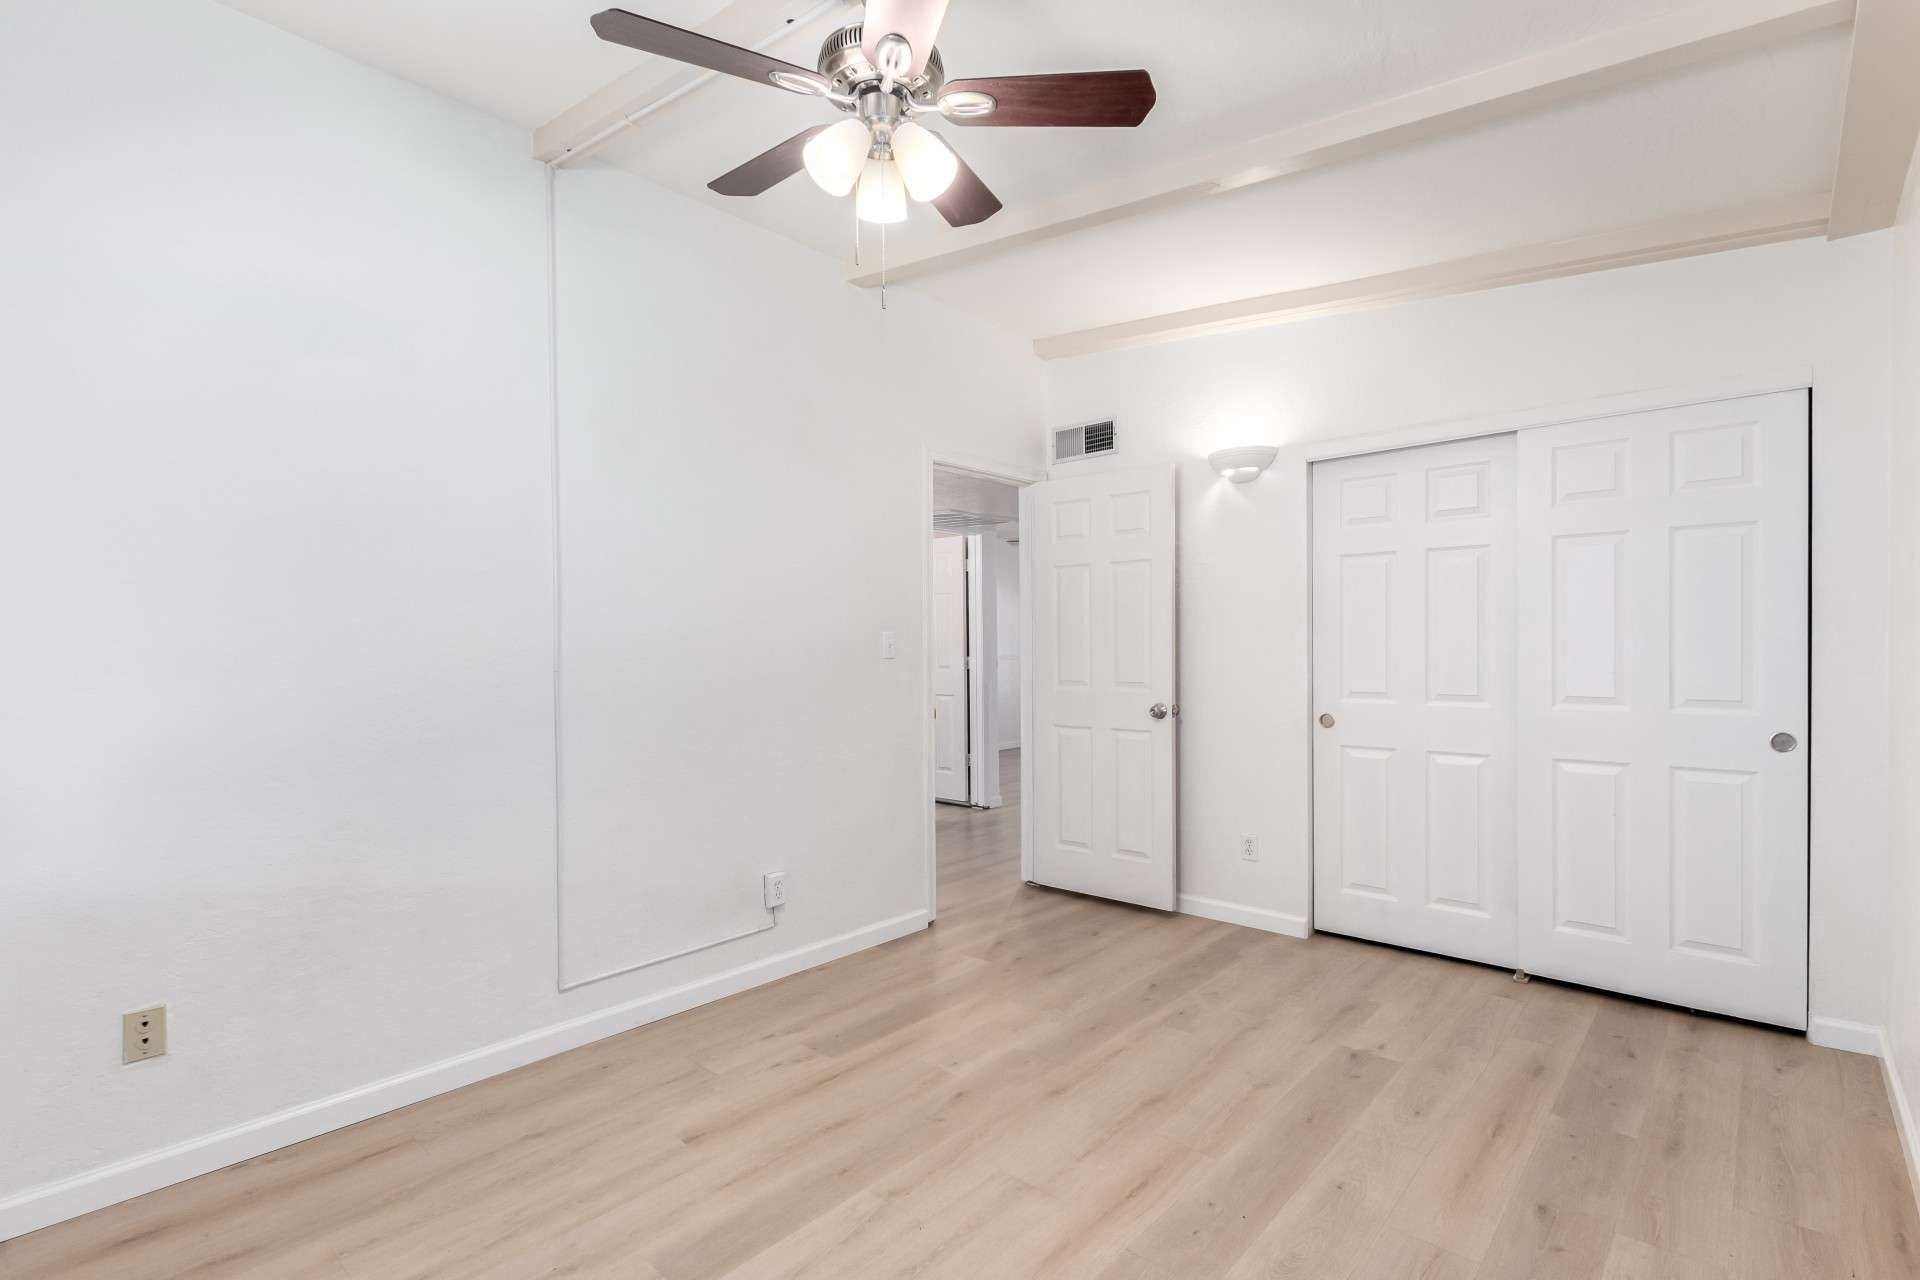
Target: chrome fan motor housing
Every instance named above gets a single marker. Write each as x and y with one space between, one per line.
844 64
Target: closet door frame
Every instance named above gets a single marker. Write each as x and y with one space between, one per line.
1795 378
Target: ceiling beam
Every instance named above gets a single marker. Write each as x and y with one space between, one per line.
752 24
1699 33
1685 237
1882 121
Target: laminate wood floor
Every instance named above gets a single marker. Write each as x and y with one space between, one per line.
1049 1086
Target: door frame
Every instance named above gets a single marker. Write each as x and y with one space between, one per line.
1022 478
1794 378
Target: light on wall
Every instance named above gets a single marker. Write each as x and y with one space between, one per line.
1243 464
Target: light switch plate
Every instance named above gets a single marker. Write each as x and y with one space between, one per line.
143 1034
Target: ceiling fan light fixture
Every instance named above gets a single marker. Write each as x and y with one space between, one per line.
835 156
882 197
927 164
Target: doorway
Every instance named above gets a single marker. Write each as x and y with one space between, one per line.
974 681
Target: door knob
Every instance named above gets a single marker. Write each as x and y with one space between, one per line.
1326 721
1158 711
1784 742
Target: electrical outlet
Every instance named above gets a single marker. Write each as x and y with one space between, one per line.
143 1034
1249 849
774 889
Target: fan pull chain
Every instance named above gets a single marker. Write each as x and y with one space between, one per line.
883 266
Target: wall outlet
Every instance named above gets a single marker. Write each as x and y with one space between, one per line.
1249 849
774 888
143 1034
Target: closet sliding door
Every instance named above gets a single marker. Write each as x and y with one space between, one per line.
1414 678
1663 705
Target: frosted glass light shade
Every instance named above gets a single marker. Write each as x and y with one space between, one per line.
835 156
926 163
1242 465
882 197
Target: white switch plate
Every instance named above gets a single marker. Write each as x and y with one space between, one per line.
1249 849
143 1034
774 889
889 645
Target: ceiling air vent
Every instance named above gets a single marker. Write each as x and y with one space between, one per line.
1083 442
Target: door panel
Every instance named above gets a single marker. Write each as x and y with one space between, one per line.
1413 661
951 734
1103 767
1663 641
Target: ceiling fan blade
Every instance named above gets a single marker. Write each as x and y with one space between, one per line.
648 36
768 169
916 21
1081 99
967 200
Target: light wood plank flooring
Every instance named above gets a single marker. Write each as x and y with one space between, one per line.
1044 1085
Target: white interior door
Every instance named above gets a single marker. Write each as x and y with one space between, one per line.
1102 664
1663 642
951 734
1413 688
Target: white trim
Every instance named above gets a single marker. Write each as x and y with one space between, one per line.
1280 922
1759 383
53 1202
1853 1037
1684 237
1693 34
1005 473
1902 1114
1865 1038
1027 508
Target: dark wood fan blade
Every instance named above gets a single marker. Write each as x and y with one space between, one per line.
768 169
968 200
636 32
917 21
1081 99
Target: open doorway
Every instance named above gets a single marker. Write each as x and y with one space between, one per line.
974 652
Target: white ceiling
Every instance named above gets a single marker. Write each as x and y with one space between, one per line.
1753 127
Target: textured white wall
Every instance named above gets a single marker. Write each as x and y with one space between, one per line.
1903 905
275 526
1244 665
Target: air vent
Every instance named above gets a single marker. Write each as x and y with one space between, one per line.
1082 442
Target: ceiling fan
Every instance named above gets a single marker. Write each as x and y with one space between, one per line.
886 74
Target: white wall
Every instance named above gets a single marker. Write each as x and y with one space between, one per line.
1778 311
1903 904
1006 580
276 529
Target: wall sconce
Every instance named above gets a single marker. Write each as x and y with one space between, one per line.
1242 465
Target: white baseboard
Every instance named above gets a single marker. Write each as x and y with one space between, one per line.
53 1202
1864 1037
1251 917
1902 1114
1854 1037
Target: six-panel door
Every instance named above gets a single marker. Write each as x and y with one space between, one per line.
1663 705
1102 551
1414 677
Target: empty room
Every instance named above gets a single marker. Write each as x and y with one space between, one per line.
984 639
